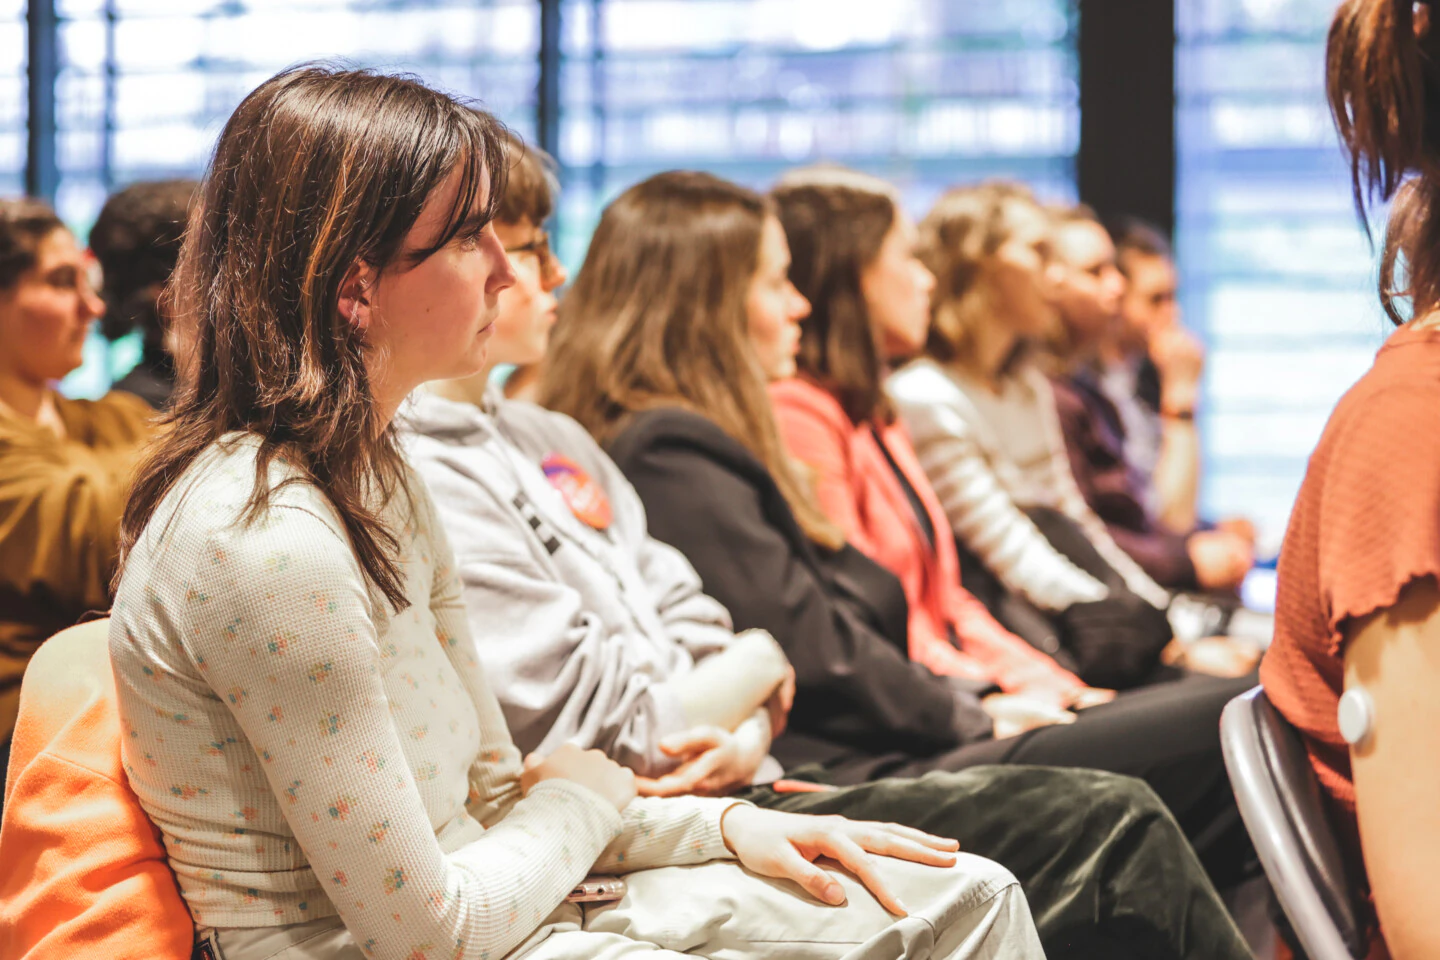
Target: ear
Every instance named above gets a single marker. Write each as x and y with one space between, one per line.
1053 275
355 303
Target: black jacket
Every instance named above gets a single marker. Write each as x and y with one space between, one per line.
840 618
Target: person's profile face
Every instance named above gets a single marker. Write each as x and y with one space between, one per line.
1149 304
1017 276
897 288
528 309
433 320
773 307
1089 283
46 316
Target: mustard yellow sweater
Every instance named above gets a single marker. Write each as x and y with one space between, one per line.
60 505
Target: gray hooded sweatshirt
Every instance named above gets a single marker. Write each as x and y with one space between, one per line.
581 631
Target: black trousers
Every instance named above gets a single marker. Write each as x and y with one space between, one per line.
1106 869
1166 734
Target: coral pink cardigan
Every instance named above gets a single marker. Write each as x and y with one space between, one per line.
859 492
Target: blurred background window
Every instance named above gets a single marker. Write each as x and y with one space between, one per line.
12 97
926 93
1276 273
145 85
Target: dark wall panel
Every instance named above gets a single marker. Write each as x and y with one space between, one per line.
1126 162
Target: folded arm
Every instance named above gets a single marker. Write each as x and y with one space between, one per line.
852 684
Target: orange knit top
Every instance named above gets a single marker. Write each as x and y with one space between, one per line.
1365 524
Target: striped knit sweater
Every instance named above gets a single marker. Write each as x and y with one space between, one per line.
991 456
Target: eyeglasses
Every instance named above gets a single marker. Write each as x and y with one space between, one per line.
540 249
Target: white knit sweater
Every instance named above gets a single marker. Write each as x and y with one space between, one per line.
305 751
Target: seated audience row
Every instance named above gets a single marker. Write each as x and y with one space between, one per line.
304 725
1124 451
231 498
227 580
667 381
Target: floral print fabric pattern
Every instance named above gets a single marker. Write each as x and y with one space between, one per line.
307 751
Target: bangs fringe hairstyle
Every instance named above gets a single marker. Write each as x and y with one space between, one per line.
1383 84
318 170
836 221
958 238
656 317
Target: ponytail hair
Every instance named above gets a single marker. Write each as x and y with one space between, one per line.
1383 84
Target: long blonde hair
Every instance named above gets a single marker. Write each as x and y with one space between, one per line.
656 318
959 238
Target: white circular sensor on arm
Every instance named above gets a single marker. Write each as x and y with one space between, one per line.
1356 715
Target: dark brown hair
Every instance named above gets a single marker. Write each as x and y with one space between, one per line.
1383 85
137 240
1136 238
836 221
24 225
317 170
958 237
531 185
656 318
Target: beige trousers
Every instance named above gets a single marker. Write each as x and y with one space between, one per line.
973 911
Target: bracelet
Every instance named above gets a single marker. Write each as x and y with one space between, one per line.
1185 416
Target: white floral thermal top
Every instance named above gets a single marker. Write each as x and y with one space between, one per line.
306 752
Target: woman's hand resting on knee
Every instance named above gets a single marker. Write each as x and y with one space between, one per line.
589 768
784 846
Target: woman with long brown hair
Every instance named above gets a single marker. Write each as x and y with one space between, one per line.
305 716
1357 620
681 312
853 258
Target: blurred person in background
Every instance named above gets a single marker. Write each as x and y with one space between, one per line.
1094 391
1358 603
65 465
982 415
1152 373
136 239
527 205
853 259
682 312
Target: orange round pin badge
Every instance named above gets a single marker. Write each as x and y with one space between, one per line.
585 498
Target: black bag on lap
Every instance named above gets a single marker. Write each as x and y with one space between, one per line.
1115 642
